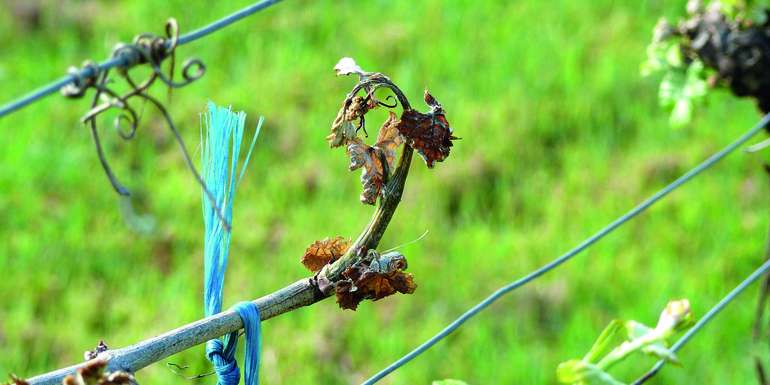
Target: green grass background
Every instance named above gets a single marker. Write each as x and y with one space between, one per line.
560 134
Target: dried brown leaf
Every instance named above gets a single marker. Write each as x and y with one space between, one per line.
118 378
93 373
319 253
402 282
382 277
343 130
389 139
347 296
429 133
375 285
376 161
373 174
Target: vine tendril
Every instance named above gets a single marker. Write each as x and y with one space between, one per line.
146 48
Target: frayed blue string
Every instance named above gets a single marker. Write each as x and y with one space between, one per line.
221 145
249 313
222 354
223 358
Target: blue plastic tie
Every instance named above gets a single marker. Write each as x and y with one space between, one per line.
249 313
222 353
221 144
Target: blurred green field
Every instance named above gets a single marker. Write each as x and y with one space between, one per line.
560 135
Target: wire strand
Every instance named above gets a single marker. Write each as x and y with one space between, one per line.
568 255
87 72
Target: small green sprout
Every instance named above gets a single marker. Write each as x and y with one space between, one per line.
620 339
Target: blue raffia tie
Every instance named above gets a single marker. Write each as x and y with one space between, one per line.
220 165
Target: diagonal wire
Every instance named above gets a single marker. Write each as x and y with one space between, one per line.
568 255
762 270
121 61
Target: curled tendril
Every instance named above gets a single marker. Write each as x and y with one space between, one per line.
149 49
132 120
390 97
376 81
370 83
190 65
179 371
172 34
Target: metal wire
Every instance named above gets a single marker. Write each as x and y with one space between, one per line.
87 72
568 255
762 270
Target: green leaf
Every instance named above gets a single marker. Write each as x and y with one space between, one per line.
449 381
636 330
612 336
730 8
680 89
582 373
674 55
660 351
621 339
662 57
681 114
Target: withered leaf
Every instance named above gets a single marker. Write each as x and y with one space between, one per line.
343 130
346 295
319 253
93 370
357 108
402 282
93 373
118 378
389 139
374 172
374 281
375 285
377 161
429 133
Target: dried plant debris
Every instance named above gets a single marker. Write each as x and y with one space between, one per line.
343 129
377 161
374 277
323 252
100 348
389 139
94 373
428 133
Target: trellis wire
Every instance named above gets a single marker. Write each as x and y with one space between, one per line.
568 255
120 62
762 270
